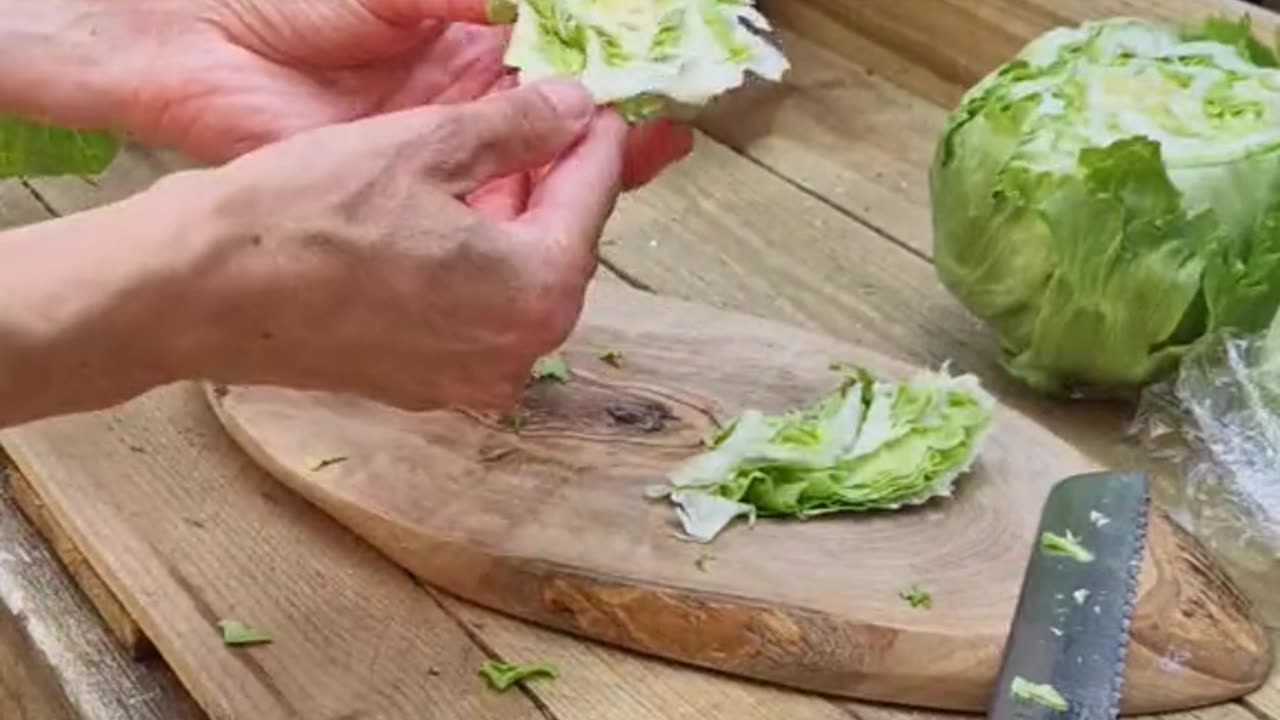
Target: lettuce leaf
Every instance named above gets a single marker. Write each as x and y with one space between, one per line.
237 634
638 55
869 445
502 675
29 149
1042 694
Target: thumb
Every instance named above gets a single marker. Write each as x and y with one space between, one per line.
412 12
510 132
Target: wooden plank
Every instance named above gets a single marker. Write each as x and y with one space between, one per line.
602 683
57 661
117 619
187 532
845 133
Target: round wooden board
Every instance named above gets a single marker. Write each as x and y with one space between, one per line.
549 524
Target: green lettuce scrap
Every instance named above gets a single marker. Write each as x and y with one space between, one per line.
29 149
869 445
551 367
1066 545
917 598
236 633
1042 694
1110 195
503 675
638 55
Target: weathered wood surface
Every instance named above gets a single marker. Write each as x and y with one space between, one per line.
825 232
58 661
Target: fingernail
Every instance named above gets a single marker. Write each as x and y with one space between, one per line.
570 99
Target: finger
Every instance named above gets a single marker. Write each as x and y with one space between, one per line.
651 147
577 193
505 133
409 12
502 199
459 66
505 198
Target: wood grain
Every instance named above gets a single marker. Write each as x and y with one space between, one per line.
57 661
117 619
949 44
187 532
500 518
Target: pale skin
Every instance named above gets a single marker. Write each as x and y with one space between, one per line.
383 212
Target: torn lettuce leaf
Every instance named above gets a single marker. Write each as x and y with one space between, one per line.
869 445
502 675
917 598
638 55
238 634
1066 545
551 367
1024 690
29 149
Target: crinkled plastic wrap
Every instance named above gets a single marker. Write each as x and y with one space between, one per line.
1212 433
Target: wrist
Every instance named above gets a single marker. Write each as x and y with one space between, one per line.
57 64
93 306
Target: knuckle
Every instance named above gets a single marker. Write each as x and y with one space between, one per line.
445 150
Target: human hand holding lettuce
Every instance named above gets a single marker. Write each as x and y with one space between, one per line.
343 259
217 79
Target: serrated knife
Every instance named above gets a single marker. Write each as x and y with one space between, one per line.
1065 654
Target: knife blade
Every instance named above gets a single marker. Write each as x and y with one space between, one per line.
1065 654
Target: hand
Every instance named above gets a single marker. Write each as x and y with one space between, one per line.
217 78
343 259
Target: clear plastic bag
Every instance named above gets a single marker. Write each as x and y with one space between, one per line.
1211 436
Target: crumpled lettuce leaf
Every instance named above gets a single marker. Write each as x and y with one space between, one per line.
869 445
236 633
1042 694
503 675
640 54
29 149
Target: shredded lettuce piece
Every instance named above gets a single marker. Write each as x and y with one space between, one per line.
236 633
1024 690
502 675
917 598
1067 545
551 367
29 149
638 55
869 445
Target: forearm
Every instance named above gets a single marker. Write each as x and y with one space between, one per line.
91 308
53 57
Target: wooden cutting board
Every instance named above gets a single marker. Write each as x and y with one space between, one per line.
551 525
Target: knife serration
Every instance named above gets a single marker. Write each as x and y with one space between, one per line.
1071 628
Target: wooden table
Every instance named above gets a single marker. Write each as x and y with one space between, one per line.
129 529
